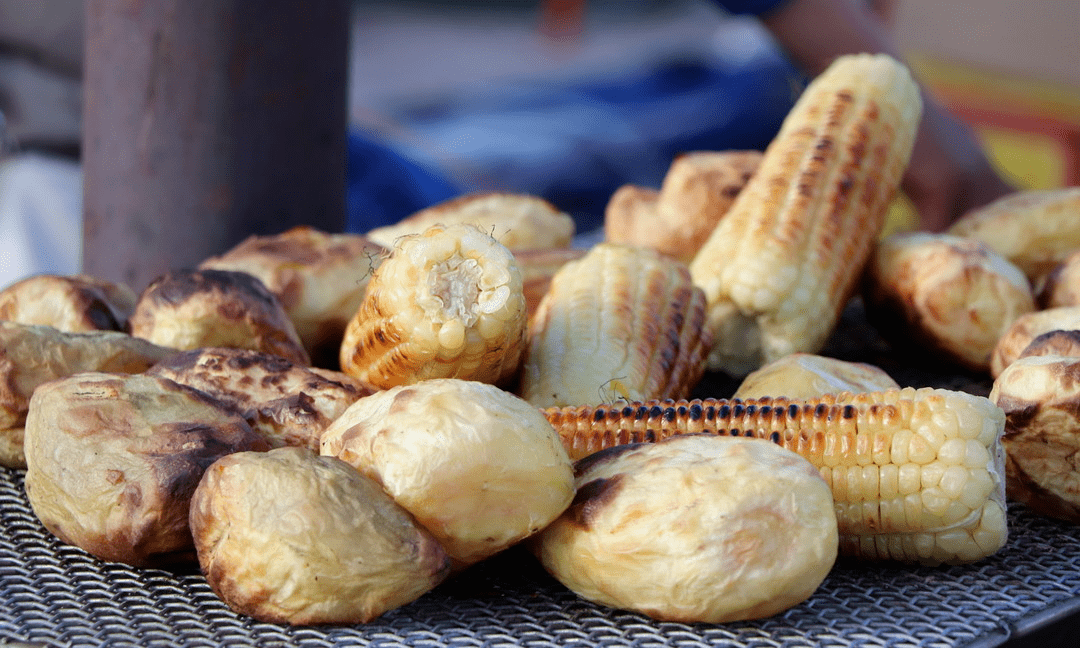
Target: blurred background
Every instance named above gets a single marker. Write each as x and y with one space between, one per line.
566 99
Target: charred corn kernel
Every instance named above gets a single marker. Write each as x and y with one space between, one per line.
781 264
621 322
917 475
446 303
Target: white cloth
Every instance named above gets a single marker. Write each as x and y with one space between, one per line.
40 216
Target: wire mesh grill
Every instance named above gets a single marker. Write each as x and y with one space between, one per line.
52 594
56 595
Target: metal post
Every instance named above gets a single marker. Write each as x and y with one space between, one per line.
206 121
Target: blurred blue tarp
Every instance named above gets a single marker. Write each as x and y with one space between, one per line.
572 143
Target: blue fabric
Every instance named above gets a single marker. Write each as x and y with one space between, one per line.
575 144
571 143
384 186
749 7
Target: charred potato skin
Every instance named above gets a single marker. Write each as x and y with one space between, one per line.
189 309
74 304
288 403
112 462
1039 395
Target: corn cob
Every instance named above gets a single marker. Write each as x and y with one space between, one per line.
446 303
782 263
624 321
917 475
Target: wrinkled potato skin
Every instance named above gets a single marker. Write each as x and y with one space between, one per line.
1026 328
694 528
31 355
288 536
287 403
477 466
943 294
319 277
112 462
1040 396
73 304
191 309
805 375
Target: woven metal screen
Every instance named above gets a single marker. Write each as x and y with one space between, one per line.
56 595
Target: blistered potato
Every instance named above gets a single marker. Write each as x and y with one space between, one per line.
944 294
74 304
1036 229
517 221
31 355
694 528
112 461
319 278
698 189
1040 396
477 466
805 375
191 309
288 536
287 403
1026 328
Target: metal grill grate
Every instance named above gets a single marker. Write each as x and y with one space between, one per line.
53 594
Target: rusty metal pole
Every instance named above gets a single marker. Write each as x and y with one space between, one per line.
206 121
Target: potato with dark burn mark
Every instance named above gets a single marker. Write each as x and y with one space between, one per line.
31 355
74 304
695 528
477 466
320 278
1040 395
112 461
1026 328
288 536
287 403
942 294
191 309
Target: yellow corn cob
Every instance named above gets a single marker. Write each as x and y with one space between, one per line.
621 321
446 303
782 263
917 474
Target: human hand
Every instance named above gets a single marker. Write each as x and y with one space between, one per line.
949 173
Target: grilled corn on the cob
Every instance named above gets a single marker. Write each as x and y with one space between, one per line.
446 303
917 475
782 263
620 322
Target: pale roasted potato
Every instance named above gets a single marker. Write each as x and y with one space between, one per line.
695 528
319 277
31 355
518 221
1040 396
287 536
1026 328
477 466
805 375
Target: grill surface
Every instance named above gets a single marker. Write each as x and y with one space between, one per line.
56 595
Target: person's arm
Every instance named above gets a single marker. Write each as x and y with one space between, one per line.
949 172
